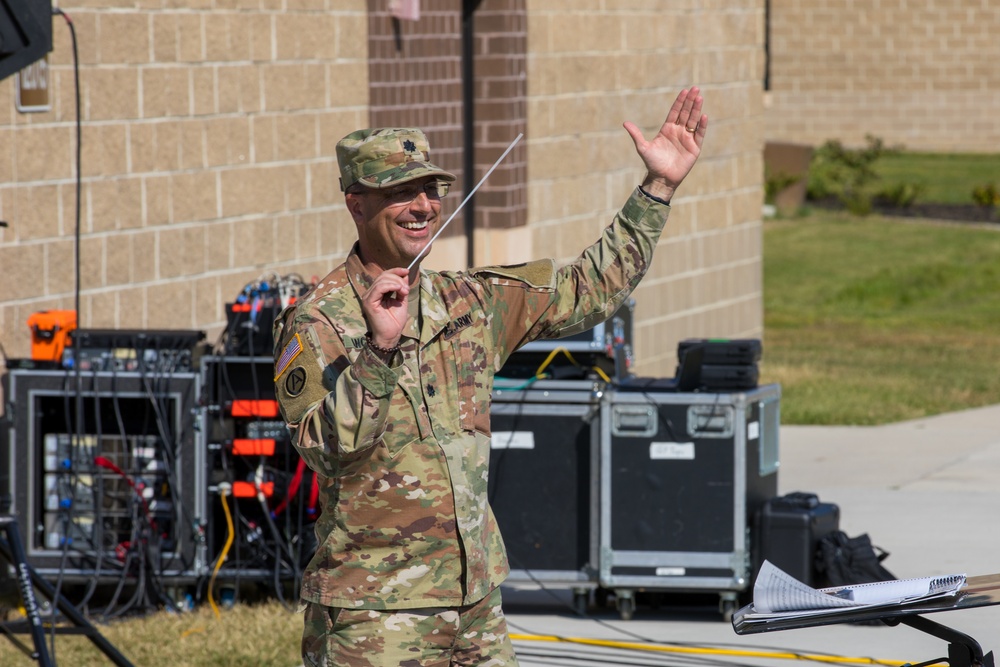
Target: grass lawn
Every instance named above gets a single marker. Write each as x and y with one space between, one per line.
261 635
869 320
944 179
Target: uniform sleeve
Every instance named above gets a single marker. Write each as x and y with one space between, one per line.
336 410
536 300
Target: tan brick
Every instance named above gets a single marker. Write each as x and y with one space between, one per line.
352 33
190 38
166 34
239 89
34 212
227 37
260 31
110 94
132 308
119 258
297 137
252 191
115 204
324 184
181 251
123 38
7 104
92 263
104 149
255 242
42 153
296 188
182 4
191 154
306 36
143 264
203 82
156 200
153 147
100 310
305 227
219 245
170 305
208 304
194 197
293 87
588 32
166 92
265 141
227 141
22 261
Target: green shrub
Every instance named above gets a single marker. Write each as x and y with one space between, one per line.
986 195
775 182
901 194
848 174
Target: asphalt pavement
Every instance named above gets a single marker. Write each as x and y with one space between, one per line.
925 491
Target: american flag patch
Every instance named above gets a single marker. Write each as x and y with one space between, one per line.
292 350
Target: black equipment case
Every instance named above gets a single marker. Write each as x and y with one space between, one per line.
543 480
682 476
789 529
724 352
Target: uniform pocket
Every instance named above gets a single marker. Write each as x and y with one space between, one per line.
467 372
318 626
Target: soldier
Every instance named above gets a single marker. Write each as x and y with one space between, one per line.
384 377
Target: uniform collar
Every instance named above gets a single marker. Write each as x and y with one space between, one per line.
432 308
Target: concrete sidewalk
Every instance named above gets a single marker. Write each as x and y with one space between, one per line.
926 491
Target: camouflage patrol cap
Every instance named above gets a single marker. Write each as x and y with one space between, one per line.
379 158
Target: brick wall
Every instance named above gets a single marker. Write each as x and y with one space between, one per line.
416 80
591 67
207 131
920 74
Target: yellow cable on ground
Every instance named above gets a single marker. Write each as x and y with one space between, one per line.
223 494
704 650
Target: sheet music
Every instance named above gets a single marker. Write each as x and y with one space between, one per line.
776 594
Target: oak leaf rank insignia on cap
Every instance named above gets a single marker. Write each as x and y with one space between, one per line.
383 157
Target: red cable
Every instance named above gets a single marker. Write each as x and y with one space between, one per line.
107 463
293 488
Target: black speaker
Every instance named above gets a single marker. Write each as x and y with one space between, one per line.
25 33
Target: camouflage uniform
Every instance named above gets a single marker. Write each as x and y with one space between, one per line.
402 448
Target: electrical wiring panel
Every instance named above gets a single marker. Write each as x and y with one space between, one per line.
255 477
106 488
98 489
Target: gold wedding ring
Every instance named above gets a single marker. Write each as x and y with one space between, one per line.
692 129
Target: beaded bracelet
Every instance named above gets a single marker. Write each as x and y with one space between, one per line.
379 348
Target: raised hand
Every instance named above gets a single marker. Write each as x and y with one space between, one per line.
672 152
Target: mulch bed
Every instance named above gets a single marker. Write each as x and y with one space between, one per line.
956 212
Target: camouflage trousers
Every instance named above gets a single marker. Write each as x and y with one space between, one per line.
436 637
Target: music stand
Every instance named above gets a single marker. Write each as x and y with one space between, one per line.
963 650
12 551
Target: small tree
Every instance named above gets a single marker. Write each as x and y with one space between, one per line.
847 174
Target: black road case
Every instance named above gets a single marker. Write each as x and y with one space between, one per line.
789 529
682 476
543 481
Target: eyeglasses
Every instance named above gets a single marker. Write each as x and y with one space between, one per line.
404 194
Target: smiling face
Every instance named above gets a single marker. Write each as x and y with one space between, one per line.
395 223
